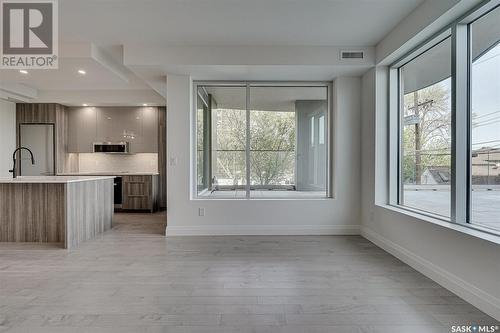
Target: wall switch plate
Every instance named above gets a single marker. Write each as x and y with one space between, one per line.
201 211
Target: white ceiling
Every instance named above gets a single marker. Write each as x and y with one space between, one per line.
67 78
119 28
232 22
106 82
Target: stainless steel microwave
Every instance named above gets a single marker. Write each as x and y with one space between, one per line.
112 147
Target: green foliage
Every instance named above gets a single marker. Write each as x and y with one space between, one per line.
230 134
435 130
272 146
230 129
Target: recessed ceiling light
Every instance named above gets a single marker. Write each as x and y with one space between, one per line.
85 104
23 71
145 104
82 72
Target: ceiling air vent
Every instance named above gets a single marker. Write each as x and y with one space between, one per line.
351 55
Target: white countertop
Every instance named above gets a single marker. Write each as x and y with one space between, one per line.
51 179
109 173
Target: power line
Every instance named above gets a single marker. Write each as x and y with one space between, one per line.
486 124
486 120
487 114
482 143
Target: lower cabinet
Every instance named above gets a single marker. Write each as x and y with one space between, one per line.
140 192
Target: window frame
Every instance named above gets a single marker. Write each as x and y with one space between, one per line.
400 92
461 64
329 140
207 140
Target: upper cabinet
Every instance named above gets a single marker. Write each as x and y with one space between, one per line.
137 125
119 124
106 130
148 141
81 129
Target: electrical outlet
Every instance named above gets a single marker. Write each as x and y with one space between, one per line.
201 211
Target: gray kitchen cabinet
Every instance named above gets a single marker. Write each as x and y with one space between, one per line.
82 124
130 126
106 125
137 125
150 125
119 124
105 119
147 141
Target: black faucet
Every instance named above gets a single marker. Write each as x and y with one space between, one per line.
14 169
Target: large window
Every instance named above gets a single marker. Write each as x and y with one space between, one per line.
485 120
426 131
447 96
262 141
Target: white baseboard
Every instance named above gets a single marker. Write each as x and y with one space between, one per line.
261 230
472 294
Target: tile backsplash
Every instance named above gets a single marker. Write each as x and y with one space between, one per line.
95 162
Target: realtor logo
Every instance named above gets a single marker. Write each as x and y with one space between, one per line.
29 33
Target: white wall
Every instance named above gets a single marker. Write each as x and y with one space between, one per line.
468 266
367 149
7 136
246 217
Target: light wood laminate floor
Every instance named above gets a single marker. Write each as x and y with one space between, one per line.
133 279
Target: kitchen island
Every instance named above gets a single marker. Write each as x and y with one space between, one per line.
56 209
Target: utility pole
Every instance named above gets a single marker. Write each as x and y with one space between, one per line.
415 120
418 156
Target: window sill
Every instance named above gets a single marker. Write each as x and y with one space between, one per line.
261 199
474 231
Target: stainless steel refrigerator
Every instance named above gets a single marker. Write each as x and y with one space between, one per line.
40 139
